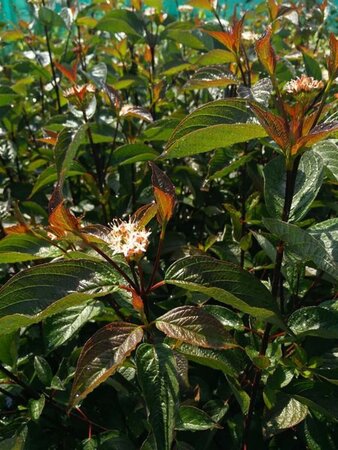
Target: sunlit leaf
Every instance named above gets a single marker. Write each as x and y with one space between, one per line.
226 283
217 124
210 77
51 288
102 355
195 326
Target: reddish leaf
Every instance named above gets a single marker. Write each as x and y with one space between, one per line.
224 37
19 228
61 220
102 355
144 214
266 53
195 326
71 73
50 138
137 302
318 133
273 125
333 58
164 193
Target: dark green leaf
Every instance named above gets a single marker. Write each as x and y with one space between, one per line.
231 361
194 419
226 283
26 247
62 326
327 151
66 148
131 153
43 370
305 246
317 395
315 321
121 21
157 376
308 182
44 290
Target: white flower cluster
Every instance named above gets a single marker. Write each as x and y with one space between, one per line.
128 238
303 84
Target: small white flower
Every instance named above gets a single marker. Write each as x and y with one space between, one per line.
128 238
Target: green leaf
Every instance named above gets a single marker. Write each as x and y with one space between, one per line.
43 370
131 153
156 372
102 355
49 176
312 67
226 283
195 326
315 321
217 124
25 247
317 435
305 246
318 395
231 361
308 182
183 33
44 290
229 319
216 56
50 18
194 419
121 21
66 148
226 161
327 233
7 96
211 77
35 407
9 349
61 327
286 414
327 151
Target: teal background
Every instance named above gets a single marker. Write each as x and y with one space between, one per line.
11 11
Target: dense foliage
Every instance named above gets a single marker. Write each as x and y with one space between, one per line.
168 252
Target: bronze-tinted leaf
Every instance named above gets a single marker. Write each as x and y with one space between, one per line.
164 193
266 53
195 326
318 133
144 214
69 73
273 125
333 58
224 37
62 221
102 355
136 111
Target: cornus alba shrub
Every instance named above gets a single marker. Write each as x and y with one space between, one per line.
168 252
